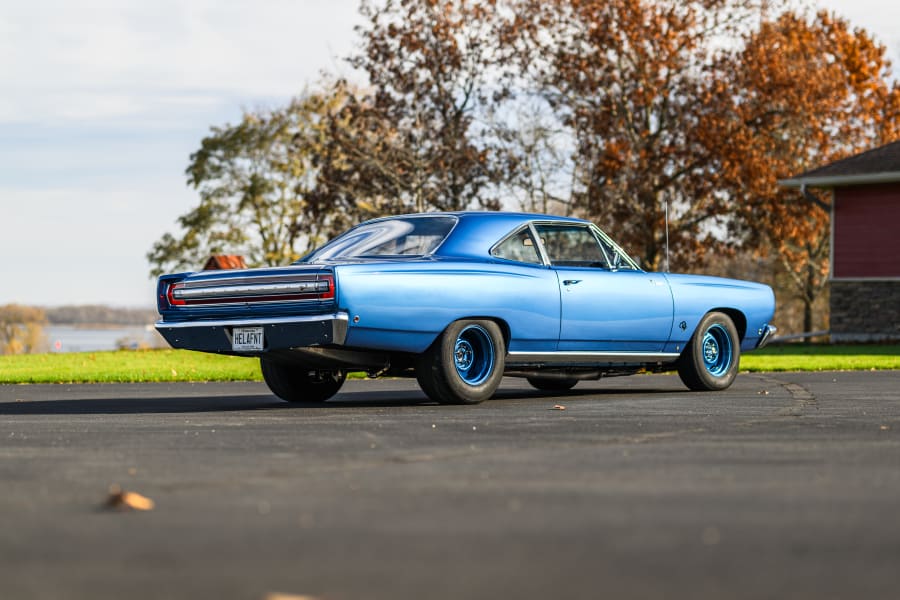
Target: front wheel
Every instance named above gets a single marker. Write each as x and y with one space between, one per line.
465 364
711 359
299 384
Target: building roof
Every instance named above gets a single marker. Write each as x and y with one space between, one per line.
879 165
224 261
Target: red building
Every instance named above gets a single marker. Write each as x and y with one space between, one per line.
865 242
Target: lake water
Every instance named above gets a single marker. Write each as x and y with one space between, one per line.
74 338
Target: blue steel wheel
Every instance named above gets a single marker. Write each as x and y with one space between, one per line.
473 354
717 350
711 359
465 364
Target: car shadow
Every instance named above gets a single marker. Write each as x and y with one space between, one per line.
268 402
204 404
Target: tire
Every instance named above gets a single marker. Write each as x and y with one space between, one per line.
299 384
465 364
552 385
711 359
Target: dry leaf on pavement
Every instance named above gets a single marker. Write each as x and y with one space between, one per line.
124 500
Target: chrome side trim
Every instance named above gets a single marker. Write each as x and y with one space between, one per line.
766 337
591 358
262 289
341 320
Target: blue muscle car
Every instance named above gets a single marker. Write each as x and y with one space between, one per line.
458 300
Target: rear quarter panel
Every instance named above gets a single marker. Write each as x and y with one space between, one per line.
404 306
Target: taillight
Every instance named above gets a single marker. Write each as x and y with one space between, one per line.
329 294
176 291
170 296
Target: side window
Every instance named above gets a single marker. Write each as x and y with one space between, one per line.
519 247
618 258
572 246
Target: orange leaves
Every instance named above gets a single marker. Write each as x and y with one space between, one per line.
811 91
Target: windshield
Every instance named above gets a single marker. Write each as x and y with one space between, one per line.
402 236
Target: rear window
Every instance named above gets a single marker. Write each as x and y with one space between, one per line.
402 236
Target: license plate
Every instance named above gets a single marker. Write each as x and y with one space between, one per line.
244 339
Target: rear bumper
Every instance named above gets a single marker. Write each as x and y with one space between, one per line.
280 333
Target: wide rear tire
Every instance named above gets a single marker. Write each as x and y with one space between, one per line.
712 357
298 384
465 364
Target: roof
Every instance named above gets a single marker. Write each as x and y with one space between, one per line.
879 165
224 261
486 214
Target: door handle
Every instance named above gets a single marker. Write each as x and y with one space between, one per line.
571 281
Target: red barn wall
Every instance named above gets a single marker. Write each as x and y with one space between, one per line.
866 225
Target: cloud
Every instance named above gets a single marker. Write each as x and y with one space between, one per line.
84 244
64 61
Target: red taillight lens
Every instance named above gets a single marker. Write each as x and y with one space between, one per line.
328 295
171 297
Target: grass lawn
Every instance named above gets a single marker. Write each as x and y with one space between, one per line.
126 366
814 357
183 365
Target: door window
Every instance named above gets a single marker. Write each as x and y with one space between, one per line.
572 246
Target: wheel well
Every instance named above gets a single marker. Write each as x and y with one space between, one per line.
740 321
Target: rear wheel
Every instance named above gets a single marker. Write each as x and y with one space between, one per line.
299 384
711 359
552 385
465 364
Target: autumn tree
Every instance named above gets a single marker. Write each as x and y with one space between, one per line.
429 65
257 182
21 329
806 90
631 80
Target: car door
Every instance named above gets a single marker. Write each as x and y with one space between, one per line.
606 302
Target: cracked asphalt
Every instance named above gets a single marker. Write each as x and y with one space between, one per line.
784 486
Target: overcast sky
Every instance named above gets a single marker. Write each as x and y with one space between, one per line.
102 101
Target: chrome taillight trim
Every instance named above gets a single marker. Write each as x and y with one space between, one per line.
242 291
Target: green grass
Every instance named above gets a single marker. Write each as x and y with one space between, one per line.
182 365
811 357
127 366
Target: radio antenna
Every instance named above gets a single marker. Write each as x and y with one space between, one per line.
666 201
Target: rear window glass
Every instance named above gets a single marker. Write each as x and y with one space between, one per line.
402 236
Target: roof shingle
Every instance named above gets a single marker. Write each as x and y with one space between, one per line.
879 165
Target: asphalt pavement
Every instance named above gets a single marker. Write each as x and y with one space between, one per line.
784 486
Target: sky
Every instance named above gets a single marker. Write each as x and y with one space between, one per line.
103 101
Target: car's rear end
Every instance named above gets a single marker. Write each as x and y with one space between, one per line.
252 311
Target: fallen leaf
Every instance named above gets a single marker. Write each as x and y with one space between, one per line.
124 500
280 596
885 427
558 407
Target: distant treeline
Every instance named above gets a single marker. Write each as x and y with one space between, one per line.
100 315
